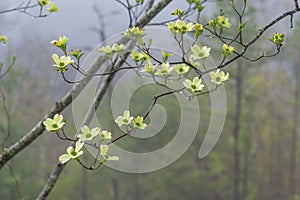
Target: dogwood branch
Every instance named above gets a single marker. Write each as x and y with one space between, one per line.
20 7
24 9
256 37
58 168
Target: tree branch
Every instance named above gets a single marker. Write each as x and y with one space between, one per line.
59 106
261 31
58 168
296 4
19 8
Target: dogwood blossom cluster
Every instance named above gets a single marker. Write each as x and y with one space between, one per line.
196 55
200 53
62 62
188 71
180 26
227 50
134 32
54 124
221 22
109 51
3 39
149 68
51 6
72 153
61 42
105 157
165 69
137 56
194 86
86 136
131 122
277 39
219 76
181 68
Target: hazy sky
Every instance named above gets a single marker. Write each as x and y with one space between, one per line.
75 17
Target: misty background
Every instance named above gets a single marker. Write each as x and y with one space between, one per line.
267 121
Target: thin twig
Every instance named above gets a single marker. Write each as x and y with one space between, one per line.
9 67
24 8
11 171
296 4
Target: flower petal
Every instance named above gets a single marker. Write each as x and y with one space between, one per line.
64 158
106 135
48 122
119 121
103 149
116 158
95 131
57 118
126 114
78 146
195 49
85 129
187 83
70 149
60 125
55 58
196 80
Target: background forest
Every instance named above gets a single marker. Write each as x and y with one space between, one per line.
256 157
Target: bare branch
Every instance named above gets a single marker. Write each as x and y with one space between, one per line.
101 30
9 67
19 8
24 9
296 4
11 171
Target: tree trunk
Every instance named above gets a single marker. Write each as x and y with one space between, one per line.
236 130
245 170
293 162
113 190
84 183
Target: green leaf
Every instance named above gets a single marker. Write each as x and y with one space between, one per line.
190 1
200 8
140 41
241 27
